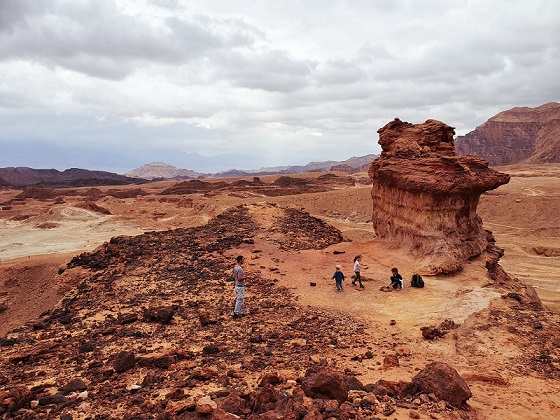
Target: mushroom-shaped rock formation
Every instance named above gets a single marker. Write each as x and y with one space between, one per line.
425 195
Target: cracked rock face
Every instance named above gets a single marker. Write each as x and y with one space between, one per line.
425 196
518 135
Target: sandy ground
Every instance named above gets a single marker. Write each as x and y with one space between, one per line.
37 237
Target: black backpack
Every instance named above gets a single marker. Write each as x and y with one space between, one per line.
417 281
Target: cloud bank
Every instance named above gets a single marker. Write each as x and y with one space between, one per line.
114 84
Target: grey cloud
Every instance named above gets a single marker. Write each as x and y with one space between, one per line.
168 4
268 70
93 38
15 12
339 72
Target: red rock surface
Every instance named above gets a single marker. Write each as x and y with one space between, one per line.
425 196
148 325
164 298
519 135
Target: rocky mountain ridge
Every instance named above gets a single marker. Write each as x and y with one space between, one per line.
518 135
159 170
22 177
74 177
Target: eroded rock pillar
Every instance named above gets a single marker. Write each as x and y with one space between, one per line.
425 196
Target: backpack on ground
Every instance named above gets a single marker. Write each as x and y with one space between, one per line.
417 281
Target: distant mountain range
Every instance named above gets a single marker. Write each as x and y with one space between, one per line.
22 177
159 170
25 177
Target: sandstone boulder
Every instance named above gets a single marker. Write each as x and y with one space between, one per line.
442 380
205 405
124 361
325 384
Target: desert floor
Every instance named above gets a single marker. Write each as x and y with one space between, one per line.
524 216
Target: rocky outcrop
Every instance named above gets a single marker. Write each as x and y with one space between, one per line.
519 135
425 196
342 168
350 169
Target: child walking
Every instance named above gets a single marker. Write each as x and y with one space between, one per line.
338 276
357 267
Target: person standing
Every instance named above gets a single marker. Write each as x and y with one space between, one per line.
357 267
338 277
239 278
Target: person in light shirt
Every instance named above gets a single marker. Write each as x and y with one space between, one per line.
357 267
239 278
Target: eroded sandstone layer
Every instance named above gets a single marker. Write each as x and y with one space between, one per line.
518 135
425 195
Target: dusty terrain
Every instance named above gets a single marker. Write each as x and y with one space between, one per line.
507 353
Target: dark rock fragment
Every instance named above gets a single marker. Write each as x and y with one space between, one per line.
85 348
8 342
431 333
210 349
325 384
53 399
163 315
150 379
265 399
354 383
127 318
125 360
76 384
232 403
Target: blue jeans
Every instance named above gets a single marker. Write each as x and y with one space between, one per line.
239 300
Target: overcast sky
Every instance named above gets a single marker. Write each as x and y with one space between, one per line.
211 85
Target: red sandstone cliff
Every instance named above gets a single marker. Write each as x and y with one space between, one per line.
528 135
425 196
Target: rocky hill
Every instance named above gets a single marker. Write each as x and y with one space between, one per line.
162 170
24 177
519 135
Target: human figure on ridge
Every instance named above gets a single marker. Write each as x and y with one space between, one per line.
239 278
